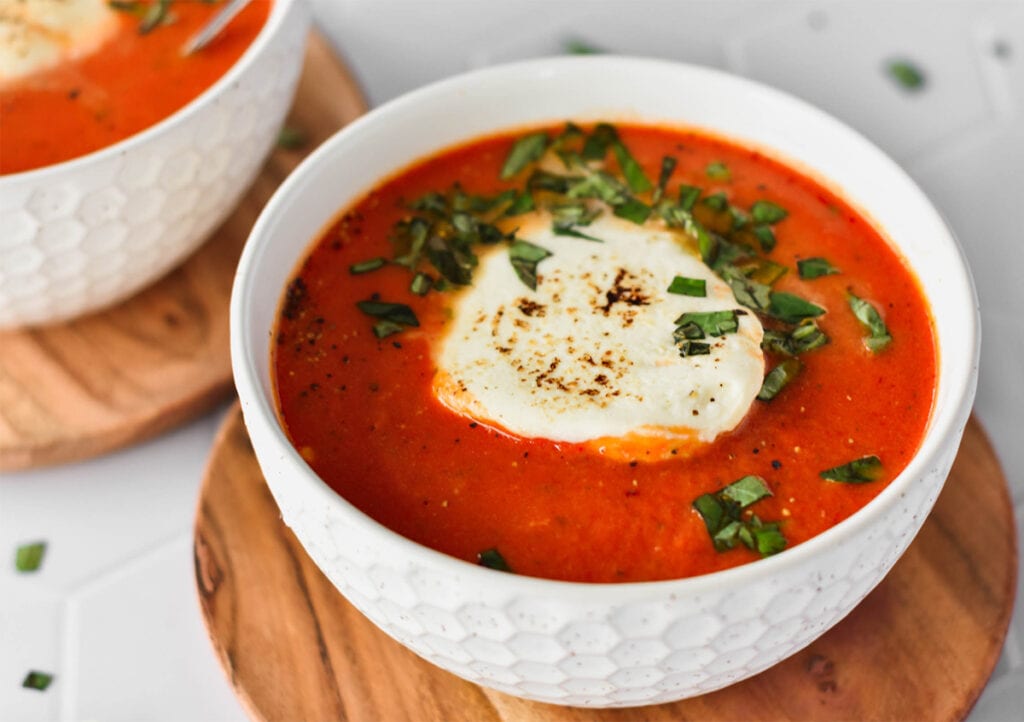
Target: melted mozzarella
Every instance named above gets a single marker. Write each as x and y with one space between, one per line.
589 356
36 34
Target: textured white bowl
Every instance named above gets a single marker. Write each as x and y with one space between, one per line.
83 234
601 645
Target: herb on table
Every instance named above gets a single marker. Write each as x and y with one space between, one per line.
723 512
492 559
858 471
29 557
906 74
37 680
878 334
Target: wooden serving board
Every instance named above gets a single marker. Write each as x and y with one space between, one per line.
77 389
920 647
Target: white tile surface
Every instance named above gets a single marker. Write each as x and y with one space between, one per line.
113 612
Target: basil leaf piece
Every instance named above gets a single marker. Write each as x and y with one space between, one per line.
688 195
792 309
383 329
815 268
542 180
29 557
574 46
746 491
635 178
858 471
596 145
523 203
907 74
716 202
366 266
601 185
763 270
526 150
421 284
633 210
718 171
778 378
393 312
567 215
687 332
765 236
767 212
492 559
755 296
878 334
524 257
37 680
694 348
575 233
290 138
805 337
768 538
712 323
668 166
409 239
158 14
696 287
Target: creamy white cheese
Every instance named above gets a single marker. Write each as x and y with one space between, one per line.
589 356
37 34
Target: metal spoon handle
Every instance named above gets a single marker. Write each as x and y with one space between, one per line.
217 23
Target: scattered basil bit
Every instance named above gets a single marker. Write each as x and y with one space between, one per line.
763 270
291 138
806 336
29 557
755 296
687 332
688 286
815 268
492 559
37 680
792 309
767 212
907 74
778 378
633 210
596 145
693 348
366 266
668 166
878 334
635 178
421 284
712 323
716 202
574 46
718 171
397 313
158 14
765 236
523 203
526 150
524 257
858 471
688 195
575 233
722 512
383 329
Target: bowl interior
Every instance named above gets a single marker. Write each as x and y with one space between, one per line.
614 89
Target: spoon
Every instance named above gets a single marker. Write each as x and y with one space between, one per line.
213 26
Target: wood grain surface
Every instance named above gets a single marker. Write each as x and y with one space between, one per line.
920 647
77 389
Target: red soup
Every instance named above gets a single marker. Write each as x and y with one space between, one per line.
129 74
558 455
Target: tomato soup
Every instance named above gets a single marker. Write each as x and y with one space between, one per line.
843 394
135 78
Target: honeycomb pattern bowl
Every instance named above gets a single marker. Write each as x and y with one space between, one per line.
601 645
86 233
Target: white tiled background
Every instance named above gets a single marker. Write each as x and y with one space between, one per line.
113 612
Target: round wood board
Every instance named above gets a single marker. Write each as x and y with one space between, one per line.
921 646
77 389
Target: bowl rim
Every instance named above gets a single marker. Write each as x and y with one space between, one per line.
275 20
941 432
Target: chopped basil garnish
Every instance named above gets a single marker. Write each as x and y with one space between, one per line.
815 268
718 171
633 210
688 286
767 212
753 295
574 46
693 348
29 557
778 378
421 284
687 331
792 309
878 334
526 150
524 257
723 515
907 74
523 203
712 323
575 233
805 337
688 195
37 680
668 165
492 559
634 174
765 236
858 471
596 145
291 138
383 329
371 264
763 270
397 313
716 202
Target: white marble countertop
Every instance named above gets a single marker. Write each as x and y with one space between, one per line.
113 612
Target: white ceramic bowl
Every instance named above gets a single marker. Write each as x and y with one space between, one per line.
601 645
83 234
